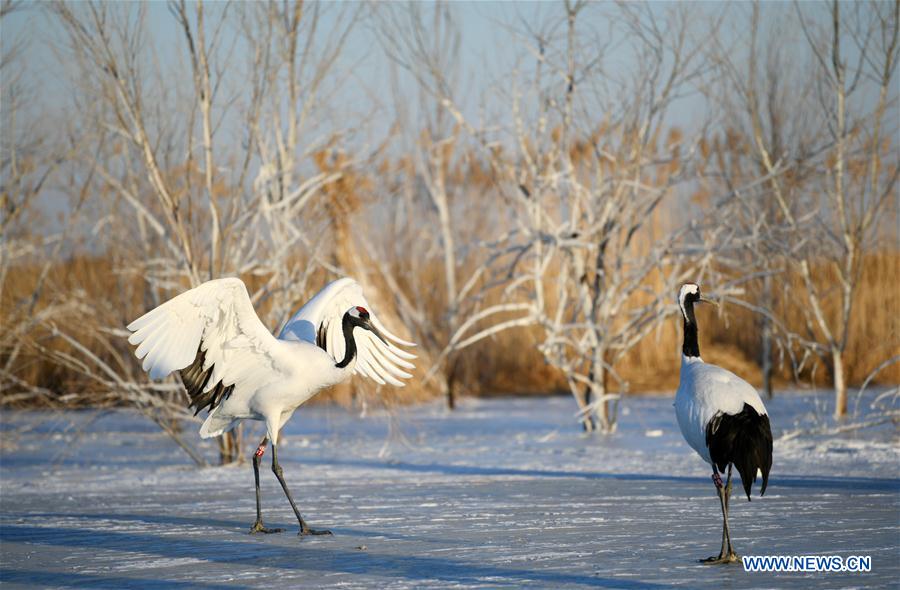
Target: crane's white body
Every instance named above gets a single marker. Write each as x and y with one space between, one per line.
271 376
274 400
705 390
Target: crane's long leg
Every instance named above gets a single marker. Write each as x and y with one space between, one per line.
258 526
726 553
276 468
731 556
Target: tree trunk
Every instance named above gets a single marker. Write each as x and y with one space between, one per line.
766 360
605 413
602 411
230 446
605 418
840 383
587 421
449 384
610 407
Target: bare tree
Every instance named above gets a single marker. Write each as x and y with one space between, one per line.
213 172
586 194
425 43
816 217
30 162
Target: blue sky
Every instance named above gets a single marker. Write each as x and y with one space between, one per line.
485 54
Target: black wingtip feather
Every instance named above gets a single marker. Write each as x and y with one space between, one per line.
744 440
195 380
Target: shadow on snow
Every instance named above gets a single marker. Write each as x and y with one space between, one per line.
314 556
32 578
855 484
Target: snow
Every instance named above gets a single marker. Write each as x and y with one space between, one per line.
500 493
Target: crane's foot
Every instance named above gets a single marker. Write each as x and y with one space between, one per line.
722 558
258 527
313 532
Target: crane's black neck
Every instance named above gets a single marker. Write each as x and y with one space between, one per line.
691 346
347 326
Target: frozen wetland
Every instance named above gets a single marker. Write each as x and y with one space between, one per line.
501 493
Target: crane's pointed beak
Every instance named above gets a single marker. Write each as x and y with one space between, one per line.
371 327
710 301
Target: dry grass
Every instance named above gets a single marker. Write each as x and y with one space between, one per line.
731 337
91 296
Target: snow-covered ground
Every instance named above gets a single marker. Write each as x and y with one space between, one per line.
501 493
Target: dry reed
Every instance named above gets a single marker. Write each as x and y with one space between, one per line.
98 298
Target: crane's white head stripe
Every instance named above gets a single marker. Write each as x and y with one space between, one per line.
687 289
358 312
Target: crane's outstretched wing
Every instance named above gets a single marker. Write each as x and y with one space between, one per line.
213 337
319 322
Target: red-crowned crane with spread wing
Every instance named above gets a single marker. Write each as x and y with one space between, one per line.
233 366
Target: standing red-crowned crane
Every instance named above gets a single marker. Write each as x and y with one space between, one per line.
231 364
721 417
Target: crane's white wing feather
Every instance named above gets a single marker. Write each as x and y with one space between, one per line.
703 392
319 322
211 332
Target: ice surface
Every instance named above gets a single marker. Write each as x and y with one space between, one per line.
500 493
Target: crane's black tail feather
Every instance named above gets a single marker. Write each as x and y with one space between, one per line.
744 439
